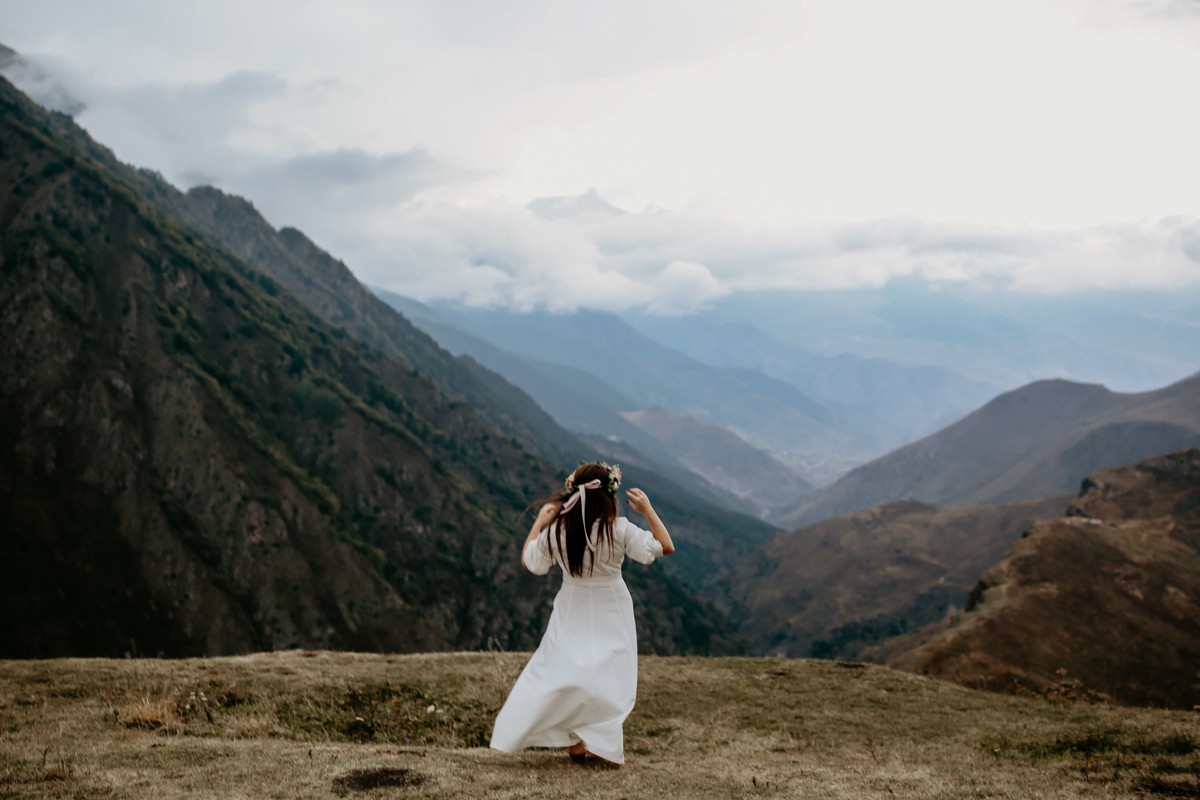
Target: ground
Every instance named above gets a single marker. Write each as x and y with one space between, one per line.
318 724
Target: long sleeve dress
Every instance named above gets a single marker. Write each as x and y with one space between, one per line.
581 683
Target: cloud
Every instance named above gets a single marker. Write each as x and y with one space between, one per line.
684 286
340 190
1189 240
672 262
495 255
41 86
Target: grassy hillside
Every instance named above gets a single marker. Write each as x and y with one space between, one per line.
318 724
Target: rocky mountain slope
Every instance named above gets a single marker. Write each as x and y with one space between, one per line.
196 463
835 587
327 286
1105 600
1033 442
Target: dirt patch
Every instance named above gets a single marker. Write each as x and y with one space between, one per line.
1186 786
363 780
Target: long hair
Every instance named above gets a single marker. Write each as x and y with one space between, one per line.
570 535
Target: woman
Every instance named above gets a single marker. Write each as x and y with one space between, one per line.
581 683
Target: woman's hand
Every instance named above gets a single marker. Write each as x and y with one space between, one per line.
638 501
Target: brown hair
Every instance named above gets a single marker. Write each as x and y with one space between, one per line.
570 533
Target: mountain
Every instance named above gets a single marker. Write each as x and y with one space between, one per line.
195 462
588 204
1029 443
329 288
1103 601
833 588
759 481
894 402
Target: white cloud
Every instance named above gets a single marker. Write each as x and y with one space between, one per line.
672 262
684 286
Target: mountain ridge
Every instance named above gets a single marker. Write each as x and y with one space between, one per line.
1031 442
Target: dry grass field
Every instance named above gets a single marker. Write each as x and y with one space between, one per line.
318 724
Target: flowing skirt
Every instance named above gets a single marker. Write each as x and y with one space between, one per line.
581 683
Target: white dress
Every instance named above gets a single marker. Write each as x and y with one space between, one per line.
581 683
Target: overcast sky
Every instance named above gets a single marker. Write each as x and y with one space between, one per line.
1030 146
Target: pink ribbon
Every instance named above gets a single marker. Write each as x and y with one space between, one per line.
580 497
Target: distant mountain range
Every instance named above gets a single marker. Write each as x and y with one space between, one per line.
894 403
1033 442
585 402
1102 602
201 463
638 371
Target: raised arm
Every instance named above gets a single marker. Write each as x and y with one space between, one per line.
544 518
640 503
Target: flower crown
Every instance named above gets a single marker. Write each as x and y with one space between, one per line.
612 484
